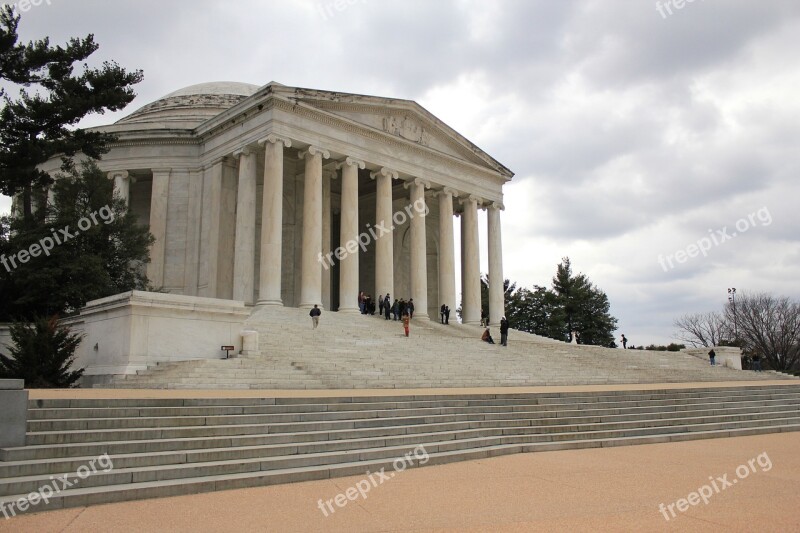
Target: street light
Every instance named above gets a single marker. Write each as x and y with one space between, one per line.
732 299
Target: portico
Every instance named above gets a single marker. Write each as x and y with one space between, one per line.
282 196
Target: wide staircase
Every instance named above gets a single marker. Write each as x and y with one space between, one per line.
168 447
357 351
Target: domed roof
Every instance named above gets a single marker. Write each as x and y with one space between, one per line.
192 105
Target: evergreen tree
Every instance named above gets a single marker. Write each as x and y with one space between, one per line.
43 354
104 256
584 308
39 124
573 305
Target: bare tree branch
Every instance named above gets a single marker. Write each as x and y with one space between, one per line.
768 326
702 329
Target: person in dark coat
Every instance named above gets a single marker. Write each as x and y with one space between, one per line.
711 355
441 312
447 315
387 307
396 309
503 332
410 308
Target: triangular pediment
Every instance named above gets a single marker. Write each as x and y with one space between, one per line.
404 119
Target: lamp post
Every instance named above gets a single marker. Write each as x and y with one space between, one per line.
732 299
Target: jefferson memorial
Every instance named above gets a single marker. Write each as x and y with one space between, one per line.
284 196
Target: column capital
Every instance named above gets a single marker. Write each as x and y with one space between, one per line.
417 181
351 161
470 198
496 205
385 171
312 151
447 191
272 138
243 151
118 174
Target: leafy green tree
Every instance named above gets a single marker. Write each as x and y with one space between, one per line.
43 354
39 124
105 254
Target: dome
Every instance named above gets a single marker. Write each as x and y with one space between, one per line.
216 87
192 105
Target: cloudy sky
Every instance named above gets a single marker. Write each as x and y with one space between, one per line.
639 132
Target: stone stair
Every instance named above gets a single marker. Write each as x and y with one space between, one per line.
357 351
168 447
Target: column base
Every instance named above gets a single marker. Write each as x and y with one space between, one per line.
269 303
421 317
349 311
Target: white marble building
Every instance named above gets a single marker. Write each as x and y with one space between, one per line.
244 188
249 192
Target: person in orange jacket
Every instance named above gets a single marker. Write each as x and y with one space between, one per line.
406 322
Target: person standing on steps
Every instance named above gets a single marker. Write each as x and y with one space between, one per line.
396 309
314 314
441 312
624 342
756 363
387 308
410 308
447 315
380 306
484 318
711 355
503 332
406 323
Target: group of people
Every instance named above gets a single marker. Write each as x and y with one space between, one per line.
404 311
487 335
386 308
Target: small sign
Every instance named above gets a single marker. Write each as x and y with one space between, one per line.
228 350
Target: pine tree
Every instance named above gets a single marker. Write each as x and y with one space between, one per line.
105 258
39 125
43 353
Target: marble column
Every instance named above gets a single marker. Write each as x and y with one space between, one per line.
244 258
497 304
327 222
311 258
210 238
269 276
471 313
384 243
447 264
122 185
419 252
159 208
348 264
